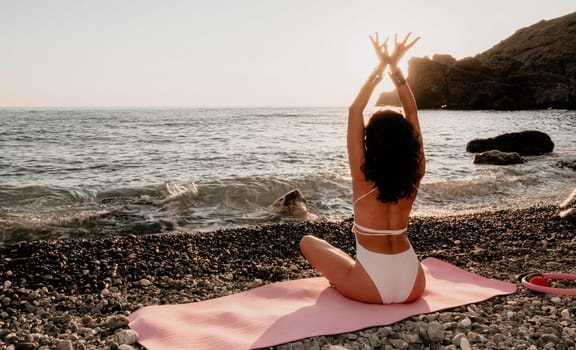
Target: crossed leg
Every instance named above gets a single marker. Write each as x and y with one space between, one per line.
344 273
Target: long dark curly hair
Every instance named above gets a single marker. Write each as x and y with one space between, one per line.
392 155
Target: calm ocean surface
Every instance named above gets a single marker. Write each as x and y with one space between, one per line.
71 173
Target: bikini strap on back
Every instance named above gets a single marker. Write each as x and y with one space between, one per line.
364 195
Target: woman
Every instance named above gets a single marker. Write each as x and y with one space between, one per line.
386 163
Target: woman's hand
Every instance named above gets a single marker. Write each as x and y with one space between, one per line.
381 50
400 49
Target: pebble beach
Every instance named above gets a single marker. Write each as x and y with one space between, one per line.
78 294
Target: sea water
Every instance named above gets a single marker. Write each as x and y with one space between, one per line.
71 173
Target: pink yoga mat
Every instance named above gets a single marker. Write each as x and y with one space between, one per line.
287 311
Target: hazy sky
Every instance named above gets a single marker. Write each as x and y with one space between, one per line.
229 52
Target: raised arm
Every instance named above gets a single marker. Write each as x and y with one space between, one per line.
404 92
355 136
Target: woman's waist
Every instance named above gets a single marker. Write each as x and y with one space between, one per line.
385 244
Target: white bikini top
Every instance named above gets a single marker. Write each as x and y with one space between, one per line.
356 228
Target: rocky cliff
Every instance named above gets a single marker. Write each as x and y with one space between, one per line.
535 68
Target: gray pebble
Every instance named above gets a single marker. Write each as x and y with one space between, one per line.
257 282
399 343
457 338
412 338
465 344
11 338
550 338
126 336
374 340
117 321
64 345
435 332
126 347
144 282
296 346
466 323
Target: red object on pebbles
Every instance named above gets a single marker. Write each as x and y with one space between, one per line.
539 280
535 282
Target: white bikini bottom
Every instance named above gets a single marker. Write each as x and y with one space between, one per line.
394 275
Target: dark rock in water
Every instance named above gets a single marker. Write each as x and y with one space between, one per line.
532 69
498 158
566 164
525 143
292 203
